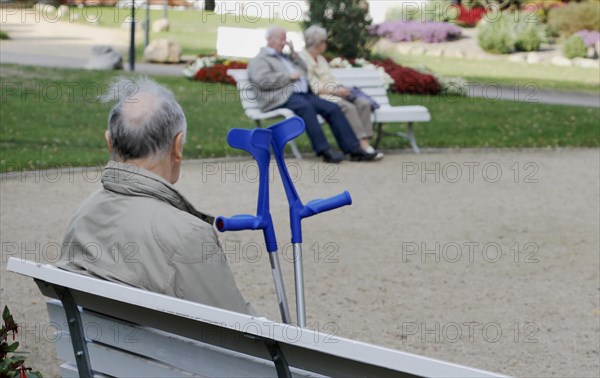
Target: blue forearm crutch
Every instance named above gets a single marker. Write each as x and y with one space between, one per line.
258 143
283 132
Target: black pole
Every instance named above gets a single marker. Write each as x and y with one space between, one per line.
147 36
132 42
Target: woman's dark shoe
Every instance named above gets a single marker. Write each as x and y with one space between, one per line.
358 154
332 156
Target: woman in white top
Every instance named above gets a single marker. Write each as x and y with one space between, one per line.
358 110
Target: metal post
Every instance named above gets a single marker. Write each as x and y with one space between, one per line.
299 282
165 7
132 40
84 366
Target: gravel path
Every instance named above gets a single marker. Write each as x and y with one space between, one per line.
484 258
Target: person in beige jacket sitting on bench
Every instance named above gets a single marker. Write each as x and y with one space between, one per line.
137 229
356 109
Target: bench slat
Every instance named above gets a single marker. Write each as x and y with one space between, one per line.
188 355
117 363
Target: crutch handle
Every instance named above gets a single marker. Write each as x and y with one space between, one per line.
238 223
321 205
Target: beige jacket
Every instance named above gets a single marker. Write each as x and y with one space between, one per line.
138 230
319 75
272 78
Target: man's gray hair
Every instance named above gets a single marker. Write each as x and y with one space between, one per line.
314 35
145 120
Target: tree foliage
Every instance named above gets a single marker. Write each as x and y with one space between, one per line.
347 23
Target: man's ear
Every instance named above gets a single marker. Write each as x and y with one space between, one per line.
177 147
108 142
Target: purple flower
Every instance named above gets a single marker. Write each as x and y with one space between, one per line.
589 37
406 31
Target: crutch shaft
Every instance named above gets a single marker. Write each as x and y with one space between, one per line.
279 288
299 282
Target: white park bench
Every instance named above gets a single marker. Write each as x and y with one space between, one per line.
108 329
369 80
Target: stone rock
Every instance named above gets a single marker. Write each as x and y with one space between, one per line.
586 63
592 53
63 11
403 48
160 25
517 58
104 58
561 61
533 58
453 53
435 53
45 8
163 51
418 50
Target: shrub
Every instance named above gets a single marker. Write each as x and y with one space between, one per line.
430 32
338 16
511 31
3 35
574 47
496 37
567 20
528 40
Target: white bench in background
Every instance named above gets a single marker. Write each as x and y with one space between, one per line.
369 80
109 329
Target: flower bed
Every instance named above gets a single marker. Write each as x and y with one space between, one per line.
406 31
590 38
213 69
400 79
407 80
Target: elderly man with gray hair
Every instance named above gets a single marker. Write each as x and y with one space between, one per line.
137 229
281 82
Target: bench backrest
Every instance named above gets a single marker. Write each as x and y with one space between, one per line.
228 41
133 332
369 80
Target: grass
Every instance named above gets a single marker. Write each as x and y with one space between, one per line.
194 30
51 117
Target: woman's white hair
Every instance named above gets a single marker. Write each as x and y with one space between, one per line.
314 35
145 119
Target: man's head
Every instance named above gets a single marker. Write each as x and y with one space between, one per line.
276 38
146 127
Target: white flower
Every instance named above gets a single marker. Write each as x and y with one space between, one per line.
339 63
192 69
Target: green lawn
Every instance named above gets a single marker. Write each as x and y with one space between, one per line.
194 30
51 116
